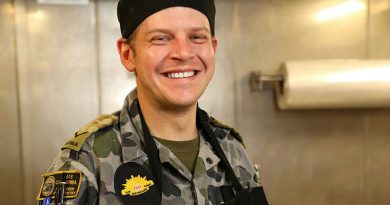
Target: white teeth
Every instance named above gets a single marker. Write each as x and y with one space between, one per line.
181 75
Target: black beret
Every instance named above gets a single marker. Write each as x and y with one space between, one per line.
132 13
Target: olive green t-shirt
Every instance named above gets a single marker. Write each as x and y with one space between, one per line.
186 151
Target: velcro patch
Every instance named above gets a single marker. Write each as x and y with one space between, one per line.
51 184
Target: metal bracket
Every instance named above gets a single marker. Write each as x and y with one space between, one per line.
257 80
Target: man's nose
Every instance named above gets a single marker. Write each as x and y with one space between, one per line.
182 49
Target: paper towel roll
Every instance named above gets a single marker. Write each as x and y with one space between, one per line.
328 84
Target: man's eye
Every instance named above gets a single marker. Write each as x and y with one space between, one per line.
199 38
160 38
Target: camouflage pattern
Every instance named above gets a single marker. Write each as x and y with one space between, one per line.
118 139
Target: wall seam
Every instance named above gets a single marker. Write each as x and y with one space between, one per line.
365 156
19 106
97 56
368 112
236 86
368 30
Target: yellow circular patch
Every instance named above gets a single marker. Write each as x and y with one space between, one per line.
48 186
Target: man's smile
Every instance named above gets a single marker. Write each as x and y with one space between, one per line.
179 75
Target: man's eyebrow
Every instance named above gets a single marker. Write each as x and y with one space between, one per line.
158 30
162 30
203 28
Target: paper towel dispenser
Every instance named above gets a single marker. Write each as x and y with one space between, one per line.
328 84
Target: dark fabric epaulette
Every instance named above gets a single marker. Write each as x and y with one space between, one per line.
76 142
235 134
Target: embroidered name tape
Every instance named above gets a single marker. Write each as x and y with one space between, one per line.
134 184
52 181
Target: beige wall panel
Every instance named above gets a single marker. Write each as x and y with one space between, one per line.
219 97
69 71
378 137
308 157
58 81
10 156
311 157
379 29
115 81
377 161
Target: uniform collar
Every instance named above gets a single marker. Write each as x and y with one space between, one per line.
206 159
131 130
133 139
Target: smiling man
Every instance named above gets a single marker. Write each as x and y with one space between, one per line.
160 148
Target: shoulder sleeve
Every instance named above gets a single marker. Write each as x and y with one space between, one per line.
233 132
75 143
79 178
241 162
237 155
75 167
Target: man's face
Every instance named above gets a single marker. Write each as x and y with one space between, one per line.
174 57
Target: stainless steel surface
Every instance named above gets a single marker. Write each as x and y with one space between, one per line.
10 152
377 141
69 71
219 99
57 81
378 29
330 84
310 157
114 80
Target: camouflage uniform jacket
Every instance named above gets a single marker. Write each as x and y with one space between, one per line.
103 145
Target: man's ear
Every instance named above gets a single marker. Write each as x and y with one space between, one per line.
126 54
215 44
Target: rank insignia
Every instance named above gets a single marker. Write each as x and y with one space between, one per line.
134 184
51 183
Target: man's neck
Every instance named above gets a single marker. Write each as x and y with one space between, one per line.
175 125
